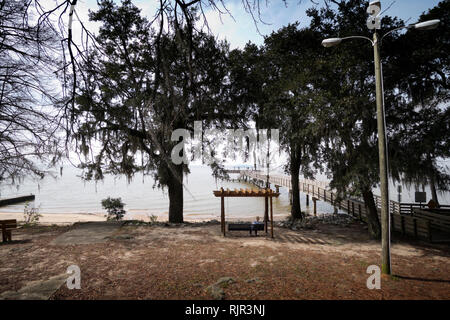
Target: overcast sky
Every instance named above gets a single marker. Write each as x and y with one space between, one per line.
241 29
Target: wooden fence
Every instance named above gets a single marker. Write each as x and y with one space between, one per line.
402 215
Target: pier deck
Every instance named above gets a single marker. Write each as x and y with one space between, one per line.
14 200
401 214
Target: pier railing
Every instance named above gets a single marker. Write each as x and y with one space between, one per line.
401 214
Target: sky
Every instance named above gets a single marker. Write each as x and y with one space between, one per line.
240 28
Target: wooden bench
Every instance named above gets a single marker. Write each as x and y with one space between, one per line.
246 227
6 226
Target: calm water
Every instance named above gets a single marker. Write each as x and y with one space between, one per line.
69 194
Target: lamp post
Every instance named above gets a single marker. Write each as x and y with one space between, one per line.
373 22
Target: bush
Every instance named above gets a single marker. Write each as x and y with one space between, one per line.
152 218
31 215
114 207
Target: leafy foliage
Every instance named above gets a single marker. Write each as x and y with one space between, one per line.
421 126
276 85
139 86
31 215
114 207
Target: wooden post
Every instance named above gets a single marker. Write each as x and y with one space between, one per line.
307 200
429 231
222 212
393 223
315 206
359 208
403 224
392 220
290 197
415 227
271 217
266 212
4 232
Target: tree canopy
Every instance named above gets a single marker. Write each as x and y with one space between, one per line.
323 100
30 102
421 125
138 80
138 87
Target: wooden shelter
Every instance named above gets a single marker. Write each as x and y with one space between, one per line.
267 194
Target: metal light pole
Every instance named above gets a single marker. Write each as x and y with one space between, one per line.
373 22
382 158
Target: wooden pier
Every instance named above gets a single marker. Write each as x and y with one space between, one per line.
402 215
14 200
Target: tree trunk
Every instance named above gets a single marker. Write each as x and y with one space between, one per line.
373 222
433 189
175 187
295 171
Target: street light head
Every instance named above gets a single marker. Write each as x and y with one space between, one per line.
330 42
427 25
374 3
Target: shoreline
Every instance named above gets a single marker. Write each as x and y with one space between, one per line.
56 218
70 218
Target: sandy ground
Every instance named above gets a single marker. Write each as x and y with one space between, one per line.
156 262
70 218
56 218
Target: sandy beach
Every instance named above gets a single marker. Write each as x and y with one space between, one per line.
56 218
70 218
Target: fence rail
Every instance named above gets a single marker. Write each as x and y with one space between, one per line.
402 214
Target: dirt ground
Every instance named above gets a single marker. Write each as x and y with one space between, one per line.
156 262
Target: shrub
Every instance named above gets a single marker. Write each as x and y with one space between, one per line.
153 218
114 207
31 215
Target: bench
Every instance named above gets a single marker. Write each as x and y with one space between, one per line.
246 227
6 226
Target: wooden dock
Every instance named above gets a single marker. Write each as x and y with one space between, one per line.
401 214
14 200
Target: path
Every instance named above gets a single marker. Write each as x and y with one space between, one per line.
36 290
88 232
82 233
